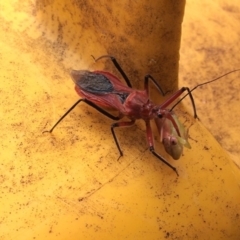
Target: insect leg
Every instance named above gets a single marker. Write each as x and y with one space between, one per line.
175 96
192 101
146 82
116 64
107 114
151 147
120 124
64 115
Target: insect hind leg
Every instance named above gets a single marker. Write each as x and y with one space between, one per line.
118 67
107 114
146 84
64 115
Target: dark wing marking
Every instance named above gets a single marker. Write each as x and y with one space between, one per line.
92 82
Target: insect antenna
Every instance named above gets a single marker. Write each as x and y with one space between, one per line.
201 84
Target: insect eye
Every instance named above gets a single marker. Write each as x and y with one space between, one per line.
173 141
160 115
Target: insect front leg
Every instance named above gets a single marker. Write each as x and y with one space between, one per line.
151 146
120 124
118 67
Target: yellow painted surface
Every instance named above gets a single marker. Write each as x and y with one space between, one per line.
69 185
209 48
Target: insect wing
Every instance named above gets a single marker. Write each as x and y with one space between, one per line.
184 135
101 88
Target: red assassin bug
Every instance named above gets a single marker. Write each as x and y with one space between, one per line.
101 89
